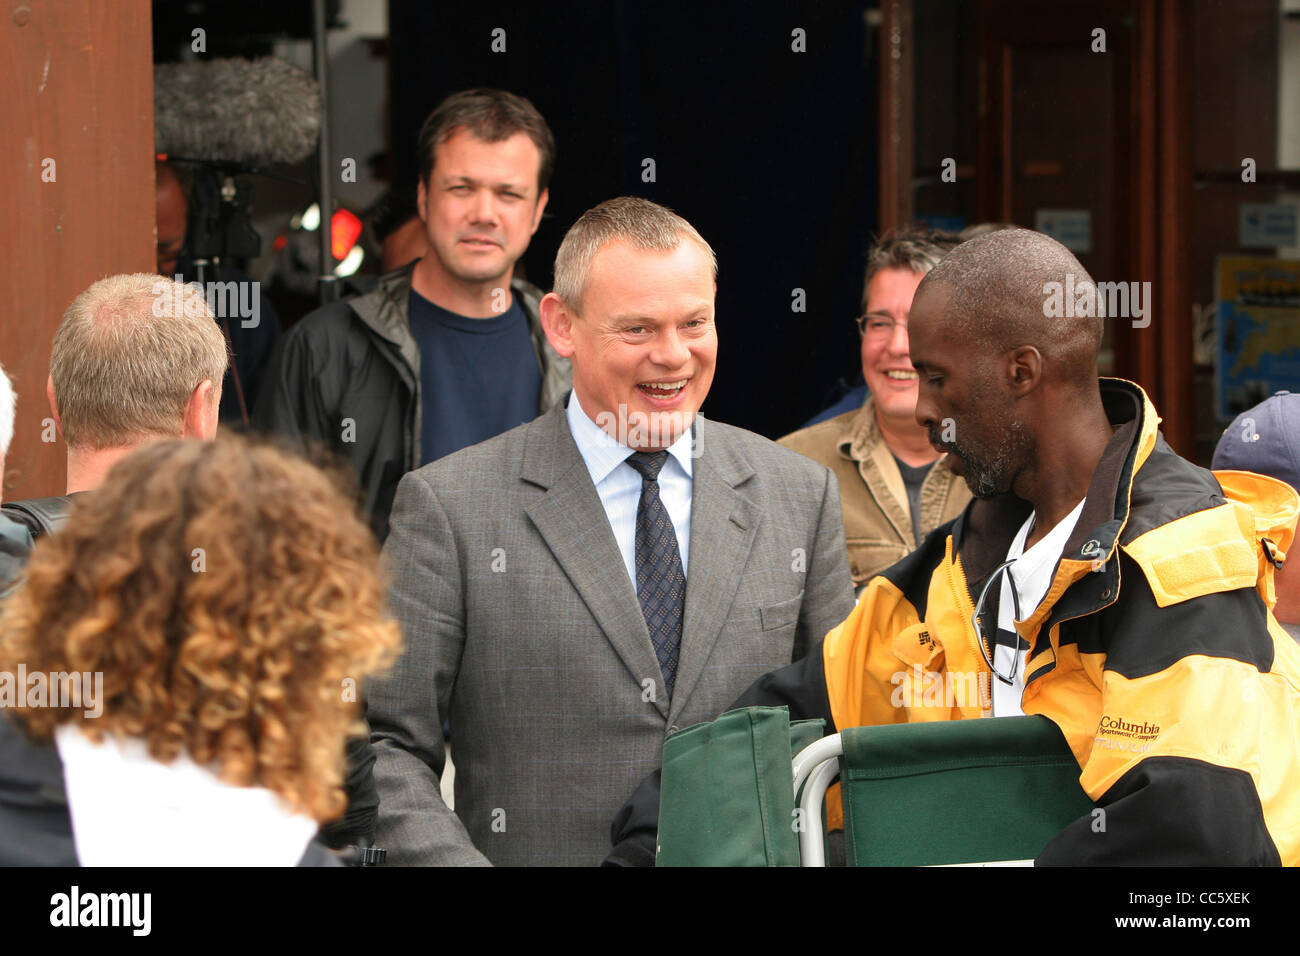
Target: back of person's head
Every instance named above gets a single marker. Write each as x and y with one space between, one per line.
229 594
1264 439
127 358
983 229
393 210
491 116
398 229
916 250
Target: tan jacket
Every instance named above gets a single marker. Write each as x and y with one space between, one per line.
877 516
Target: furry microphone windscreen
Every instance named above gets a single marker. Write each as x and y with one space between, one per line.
252 112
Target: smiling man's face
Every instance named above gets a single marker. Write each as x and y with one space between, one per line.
645 345
885 363
481 205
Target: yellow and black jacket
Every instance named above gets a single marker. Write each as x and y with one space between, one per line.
1154 650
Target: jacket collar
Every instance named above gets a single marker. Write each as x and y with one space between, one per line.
860 436
861 442
385 310
550 452
860 433
984 531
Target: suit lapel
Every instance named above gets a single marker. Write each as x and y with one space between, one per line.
572 522
723 526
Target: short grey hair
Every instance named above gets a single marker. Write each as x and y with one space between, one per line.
127 357
916 250
8 403
640 222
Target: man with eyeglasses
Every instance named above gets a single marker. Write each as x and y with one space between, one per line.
1140 586
894 485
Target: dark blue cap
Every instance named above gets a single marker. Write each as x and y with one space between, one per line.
1264 439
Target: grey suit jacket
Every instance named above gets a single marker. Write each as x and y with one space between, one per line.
522 626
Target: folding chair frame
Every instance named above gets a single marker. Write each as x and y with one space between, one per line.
814 768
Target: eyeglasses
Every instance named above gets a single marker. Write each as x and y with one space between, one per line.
1005 566
877 327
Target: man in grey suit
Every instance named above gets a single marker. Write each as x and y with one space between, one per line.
575 589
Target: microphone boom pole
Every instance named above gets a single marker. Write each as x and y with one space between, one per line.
328 282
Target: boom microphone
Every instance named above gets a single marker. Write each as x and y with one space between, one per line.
246 112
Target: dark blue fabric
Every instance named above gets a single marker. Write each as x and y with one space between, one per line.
478 377
660 581
849 403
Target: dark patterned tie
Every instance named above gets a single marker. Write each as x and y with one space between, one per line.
660 581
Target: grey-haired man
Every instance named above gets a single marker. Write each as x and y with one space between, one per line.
575 589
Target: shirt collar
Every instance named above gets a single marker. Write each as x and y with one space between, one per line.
602 453
860 433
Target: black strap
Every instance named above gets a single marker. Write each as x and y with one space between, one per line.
39 515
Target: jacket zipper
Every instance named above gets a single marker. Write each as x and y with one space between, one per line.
967 612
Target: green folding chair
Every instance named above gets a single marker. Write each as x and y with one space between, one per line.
966 792
988 792
725 797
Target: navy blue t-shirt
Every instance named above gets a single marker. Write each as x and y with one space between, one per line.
478 377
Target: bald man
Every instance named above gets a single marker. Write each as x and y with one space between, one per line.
1117 586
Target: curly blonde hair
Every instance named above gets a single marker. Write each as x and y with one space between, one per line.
230 595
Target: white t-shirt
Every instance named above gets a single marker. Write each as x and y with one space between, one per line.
1032 575
129 809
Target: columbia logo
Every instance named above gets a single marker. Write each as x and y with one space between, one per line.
1113 726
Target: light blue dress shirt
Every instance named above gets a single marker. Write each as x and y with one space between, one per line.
619 484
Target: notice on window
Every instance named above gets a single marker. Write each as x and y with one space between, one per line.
1258 316
1072 228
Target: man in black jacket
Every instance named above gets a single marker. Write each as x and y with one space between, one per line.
445 352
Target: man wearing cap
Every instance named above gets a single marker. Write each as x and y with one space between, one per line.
1266 440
